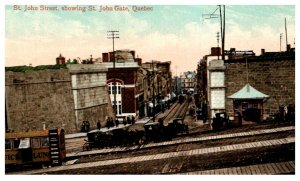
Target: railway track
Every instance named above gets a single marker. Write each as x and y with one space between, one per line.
178 111
196 140
266 151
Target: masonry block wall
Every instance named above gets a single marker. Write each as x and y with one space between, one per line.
275 78
56 98
35 98
90 94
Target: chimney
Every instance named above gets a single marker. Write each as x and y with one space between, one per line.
104 57
215 51
60 60
262 51
133 54
288 47
139 61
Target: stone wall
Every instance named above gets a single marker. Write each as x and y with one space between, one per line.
90 93
56 98
275 78
36 98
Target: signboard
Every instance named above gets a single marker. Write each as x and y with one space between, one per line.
218 99
24 143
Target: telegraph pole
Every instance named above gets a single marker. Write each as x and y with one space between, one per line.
222 24
223 36
280 40
286 40
114 35
218 36
153 96
176 80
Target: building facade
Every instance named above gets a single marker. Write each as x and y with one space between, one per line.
124 72
159 88
188 81
272 73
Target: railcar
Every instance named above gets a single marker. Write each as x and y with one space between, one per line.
40 147
181 99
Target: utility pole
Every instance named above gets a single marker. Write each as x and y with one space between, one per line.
176 80
223 34
218 36
153 95
114 35
280 40
222 24
286 40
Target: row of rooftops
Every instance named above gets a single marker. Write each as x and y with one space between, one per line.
234 55
124 59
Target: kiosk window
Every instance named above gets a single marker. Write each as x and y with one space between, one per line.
8 145
255 106
244 106
36 143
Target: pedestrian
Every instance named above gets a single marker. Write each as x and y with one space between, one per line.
83 126
240 118
124 121
112 122
117 122
87 124
128 120
108 123
98 125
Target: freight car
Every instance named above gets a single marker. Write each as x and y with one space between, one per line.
35 148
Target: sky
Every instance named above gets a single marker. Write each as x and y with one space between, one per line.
176 33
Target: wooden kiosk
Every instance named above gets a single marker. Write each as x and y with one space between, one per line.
248 104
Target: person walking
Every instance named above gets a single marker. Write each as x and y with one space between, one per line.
98 125
116 122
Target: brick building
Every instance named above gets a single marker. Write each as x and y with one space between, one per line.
272 73
128 92
159 85
188 80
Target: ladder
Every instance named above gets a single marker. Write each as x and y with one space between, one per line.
54 147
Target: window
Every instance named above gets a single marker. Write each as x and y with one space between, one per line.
120 109
118 104
16 143
24 143
255 105
36 143
8 144
119 90
111 88
44 141
244 106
